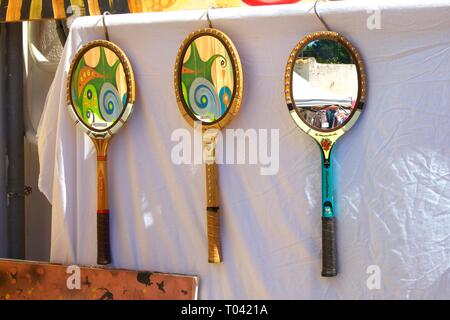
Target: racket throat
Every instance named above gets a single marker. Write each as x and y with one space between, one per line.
209 139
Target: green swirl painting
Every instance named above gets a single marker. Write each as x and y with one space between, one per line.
99 89
207 79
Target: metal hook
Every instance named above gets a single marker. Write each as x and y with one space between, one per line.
207 16
104 24
319 17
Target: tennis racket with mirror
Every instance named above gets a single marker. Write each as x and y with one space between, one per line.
100 98
325 90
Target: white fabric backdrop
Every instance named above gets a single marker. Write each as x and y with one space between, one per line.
392 169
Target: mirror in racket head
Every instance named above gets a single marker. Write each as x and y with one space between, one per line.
101 89
208 78
208 88
325 89
325 85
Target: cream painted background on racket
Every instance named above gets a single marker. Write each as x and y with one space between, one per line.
392 169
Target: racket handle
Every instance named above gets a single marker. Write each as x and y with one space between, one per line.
212 197
328 247
103 245
214 244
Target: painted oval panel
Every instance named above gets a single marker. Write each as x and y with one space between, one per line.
207 79
99 88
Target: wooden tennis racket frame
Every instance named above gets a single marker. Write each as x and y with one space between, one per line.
326 138
210 136
101 140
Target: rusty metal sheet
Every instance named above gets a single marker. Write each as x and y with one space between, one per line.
26 280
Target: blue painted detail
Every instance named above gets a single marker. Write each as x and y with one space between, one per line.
327 186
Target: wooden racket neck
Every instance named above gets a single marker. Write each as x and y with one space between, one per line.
209 155
101 145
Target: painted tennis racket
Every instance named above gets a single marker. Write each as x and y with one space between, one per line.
100 98
208 87
325 90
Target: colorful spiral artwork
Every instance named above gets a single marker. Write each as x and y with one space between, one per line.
207 79
99 89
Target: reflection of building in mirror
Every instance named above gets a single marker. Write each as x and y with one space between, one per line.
324 93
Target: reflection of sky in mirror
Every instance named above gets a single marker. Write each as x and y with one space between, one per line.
325 84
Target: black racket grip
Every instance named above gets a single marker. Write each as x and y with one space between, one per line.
328 247
103 245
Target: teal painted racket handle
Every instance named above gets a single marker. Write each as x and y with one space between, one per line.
327 187
328 220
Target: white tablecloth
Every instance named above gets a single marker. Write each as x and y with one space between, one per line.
392 169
